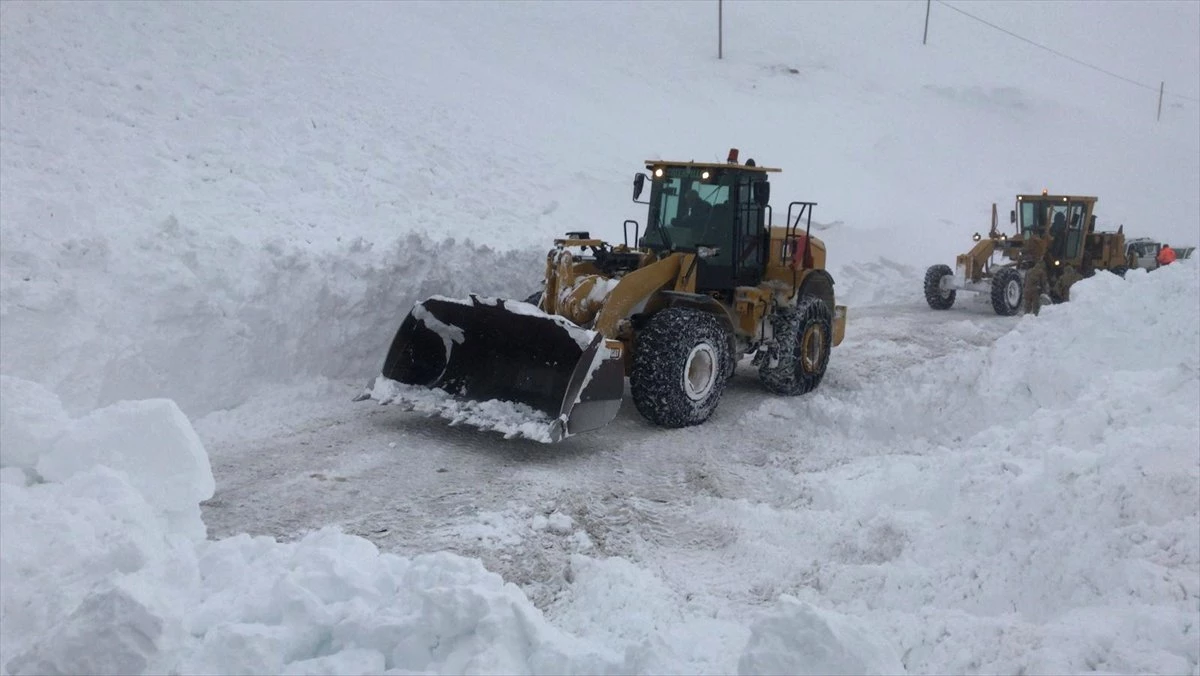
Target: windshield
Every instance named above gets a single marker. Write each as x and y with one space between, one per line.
1061 220
692 213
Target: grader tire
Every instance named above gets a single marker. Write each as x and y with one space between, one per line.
1006 292
680 367
938 298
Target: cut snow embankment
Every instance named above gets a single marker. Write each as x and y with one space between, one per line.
205 320
882 281
1029 505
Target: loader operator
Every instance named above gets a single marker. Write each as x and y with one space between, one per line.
695 210
1037 282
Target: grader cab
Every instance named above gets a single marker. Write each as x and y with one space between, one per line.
1059 229
674 309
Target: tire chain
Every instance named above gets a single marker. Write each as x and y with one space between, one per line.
785 321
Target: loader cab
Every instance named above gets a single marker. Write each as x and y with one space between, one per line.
715 211
1064 219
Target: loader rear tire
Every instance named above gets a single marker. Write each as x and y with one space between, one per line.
937 297
680 367
1006 292
804 353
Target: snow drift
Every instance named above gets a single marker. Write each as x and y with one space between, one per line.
208 320
1044 486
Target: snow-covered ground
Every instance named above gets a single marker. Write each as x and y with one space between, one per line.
214 216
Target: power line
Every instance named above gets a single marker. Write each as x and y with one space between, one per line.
1058 53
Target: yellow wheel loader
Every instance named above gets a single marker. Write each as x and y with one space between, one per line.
1059 229
710 281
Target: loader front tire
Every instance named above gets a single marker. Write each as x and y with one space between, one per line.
937 297
805 339
1006 292
680 367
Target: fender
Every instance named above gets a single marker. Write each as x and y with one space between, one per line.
818 283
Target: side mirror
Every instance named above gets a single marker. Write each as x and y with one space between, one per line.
1092 224
639 182
1012 216
761 191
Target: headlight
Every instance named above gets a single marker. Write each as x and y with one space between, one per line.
976 237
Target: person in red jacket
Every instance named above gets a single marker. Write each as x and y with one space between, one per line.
1166 255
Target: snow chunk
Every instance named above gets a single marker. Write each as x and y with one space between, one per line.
332 598
154 443
31 420
560 524
798 638
93 582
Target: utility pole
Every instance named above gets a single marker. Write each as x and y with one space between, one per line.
720 31
926 37
1161 84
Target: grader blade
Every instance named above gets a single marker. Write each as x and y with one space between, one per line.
502 365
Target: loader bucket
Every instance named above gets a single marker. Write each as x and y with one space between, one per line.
502 365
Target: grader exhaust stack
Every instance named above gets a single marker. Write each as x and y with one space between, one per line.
502 365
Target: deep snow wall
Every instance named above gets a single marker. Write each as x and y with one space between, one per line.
206 320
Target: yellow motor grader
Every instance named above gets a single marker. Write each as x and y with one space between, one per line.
709 281
1060 229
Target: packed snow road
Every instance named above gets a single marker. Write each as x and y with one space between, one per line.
413 484
405 480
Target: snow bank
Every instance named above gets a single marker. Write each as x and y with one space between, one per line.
1116 337
106 570
879 282
1045 488
206 320
799 639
